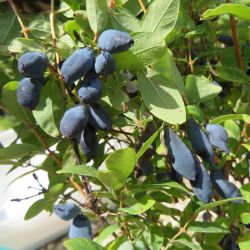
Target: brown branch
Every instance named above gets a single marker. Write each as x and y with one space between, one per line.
142 6
24 28
235 39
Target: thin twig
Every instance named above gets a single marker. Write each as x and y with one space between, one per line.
142 6
24 28
235 39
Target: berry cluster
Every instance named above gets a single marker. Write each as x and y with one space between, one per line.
186 164
81 67
80 225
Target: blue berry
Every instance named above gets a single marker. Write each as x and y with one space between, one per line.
115 41
67 211
104 64
33 64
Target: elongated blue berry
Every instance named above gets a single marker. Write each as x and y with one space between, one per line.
77 65
104 63
74 121
88 142
90 89
99 118
202 186
182 159
223 187
115 41
66 211
28 92
199 141
218 137
33 64
80 227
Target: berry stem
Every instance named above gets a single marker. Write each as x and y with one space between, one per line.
142 6
24 28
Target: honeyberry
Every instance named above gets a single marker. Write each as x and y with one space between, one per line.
74 121
33 64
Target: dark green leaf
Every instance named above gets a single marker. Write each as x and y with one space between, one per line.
36 208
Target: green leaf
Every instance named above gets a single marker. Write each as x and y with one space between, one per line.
82 243
244 242
80 170
49 111
165 19
145 203
36 208
146 144
148 47
71 26
127 60
245 191
187 243
21 45
239 10
166 66
245 218
10 27
122 160
81 19
246 145
231 74
112 179
206 227
201 89
122 19
15 151
196 112
215 204
162 98
97 14
116 96
40 27
223 118
106 232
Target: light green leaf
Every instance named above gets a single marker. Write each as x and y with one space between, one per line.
245 218
82 243
145 203
196 112
239 10
22 45
71 26
162 98
161 16
112 179
148 47
247 146
201 89
122 160
245 191
146 144
106 232
187 243
80 170
36 208
244 242
127 60
166 66
97 12
49 111
122 19
15 151
223 118
206 227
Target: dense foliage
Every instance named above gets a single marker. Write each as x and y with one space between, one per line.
141 107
